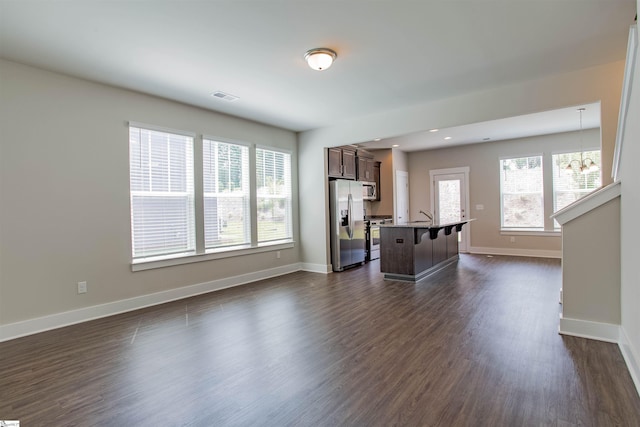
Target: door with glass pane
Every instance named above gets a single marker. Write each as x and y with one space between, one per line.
449 200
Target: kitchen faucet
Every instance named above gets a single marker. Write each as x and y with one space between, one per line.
428 215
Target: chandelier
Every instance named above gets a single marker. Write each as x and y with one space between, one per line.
585 164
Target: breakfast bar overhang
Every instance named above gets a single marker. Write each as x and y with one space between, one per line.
415 250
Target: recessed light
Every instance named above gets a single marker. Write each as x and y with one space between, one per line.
434 130
447 138
395 145
377 139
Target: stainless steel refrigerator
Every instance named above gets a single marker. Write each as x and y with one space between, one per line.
347 224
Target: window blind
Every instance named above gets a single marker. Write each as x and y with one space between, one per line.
273 189
162 193
226 194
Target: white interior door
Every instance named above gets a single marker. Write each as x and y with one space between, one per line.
450 198
401 195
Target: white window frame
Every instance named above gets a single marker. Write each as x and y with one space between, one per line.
521 230
548 193
289 209
189 194
247 212
585 191
201 254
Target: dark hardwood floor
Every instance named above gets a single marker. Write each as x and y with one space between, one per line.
477 344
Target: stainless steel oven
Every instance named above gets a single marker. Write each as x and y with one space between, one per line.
373 236
374 240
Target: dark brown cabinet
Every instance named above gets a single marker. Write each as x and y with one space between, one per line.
376 178
342 162
349 162
335 161
365 169
413 251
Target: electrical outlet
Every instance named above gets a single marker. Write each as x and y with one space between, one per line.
82 287
278 254
512 239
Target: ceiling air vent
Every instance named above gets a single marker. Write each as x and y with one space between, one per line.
225 96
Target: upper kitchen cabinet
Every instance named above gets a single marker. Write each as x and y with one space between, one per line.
376 178
365 169
368 169
342 162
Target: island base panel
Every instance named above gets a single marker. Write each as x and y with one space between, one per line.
423 275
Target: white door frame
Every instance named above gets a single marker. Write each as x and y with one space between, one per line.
466 233
401 217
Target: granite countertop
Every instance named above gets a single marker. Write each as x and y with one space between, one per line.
368 217
427 224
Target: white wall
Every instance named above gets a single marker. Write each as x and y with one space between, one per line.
484 185
385 205
602 83
591 266
630 232
64 193
400 163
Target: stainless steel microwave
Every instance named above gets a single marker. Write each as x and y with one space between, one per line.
369 190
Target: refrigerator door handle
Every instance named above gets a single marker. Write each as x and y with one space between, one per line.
350 208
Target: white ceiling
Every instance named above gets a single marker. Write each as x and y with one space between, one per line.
391 54
544 123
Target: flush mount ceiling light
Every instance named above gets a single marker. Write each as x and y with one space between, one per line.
321 58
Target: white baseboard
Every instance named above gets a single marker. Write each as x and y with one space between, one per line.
607 332
58 320
630 357
536 253
316 268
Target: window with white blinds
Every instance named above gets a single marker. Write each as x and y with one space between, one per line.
521 187
227 219
164 198
162 193
574 176
273 189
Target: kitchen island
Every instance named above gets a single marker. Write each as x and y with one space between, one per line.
414 250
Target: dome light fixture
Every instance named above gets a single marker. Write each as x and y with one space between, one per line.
320 58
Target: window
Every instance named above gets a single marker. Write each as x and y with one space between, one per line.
523 182
236 208
574 176
227 220
273 184
521 185
162 193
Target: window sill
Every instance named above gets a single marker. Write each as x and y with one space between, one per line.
180 259
529 232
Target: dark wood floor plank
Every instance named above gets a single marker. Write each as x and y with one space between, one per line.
476 344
